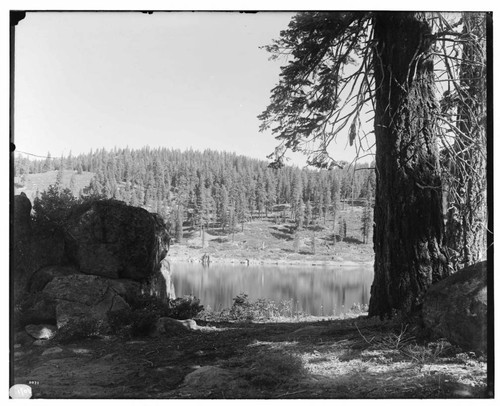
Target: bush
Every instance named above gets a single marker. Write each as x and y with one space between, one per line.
245 310
184 308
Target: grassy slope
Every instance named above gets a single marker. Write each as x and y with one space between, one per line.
266 242
42 181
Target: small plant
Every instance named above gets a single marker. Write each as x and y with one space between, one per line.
359 308
245 310
241 308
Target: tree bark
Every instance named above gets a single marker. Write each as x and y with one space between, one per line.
466 226
409 225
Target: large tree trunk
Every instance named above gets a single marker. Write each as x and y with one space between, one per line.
467 213
408 218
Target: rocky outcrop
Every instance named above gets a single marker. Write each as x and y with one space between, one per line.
21 215
209 378
103 257
166 272
42 331
456 308
167 325
43 276
33 248
84 298
113 240
21 244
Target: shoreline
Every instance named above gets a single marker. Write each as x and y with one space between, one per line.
279 262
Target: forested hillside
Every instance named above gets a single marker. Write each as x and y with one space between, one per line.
206 188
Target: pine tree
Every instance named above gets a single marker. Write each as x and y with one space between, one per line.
341 229
232 221
296 193
308 214
299 219
327 201
296 241
48 164
270 191
367 219
72 184
178 225
59 176
223 207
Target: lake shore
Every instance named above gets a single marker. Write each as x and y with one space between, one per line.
269 261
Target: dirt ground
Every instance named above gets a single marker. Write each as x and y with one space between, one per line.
342 358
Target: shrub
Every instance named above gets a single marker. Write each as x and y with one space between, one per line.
242 308
245 310
184 308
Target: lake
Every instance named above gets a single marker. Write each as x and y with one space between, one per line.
315 290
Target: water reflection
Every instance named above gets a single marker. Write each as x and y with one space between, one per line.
317 290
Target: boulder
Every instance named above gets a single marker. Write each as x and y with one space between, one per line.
22 215
52 351
208 378
43 276
172 326
41 331
84 298
456 308
126 288
165 270
33 248
21 244
23 338
110 239
42 311
48 248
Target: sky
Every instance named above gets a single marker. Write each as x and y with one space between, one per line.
169 79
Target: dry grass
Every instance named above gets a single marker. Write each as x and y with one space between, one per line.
41 182
264 241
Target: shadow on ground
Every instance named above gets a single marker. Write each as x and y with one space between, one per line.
344 358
